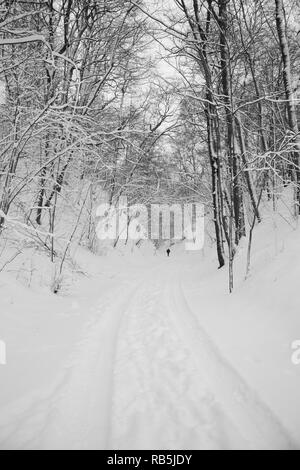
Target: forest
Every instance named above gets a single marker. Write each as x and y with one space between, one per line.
195 101
149 226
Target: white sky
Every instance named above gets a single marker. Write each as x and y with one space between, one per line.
158 8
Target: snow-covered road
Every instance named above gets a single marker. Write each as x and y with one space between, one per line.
161 399
147 376
171 386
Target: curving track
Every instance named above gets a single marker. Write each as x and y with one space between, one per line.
146 375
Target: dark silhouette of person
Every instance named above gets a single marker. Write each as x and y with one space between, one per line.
168 252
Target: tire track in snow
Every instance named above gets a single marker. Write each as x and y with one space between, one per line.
159 399
81 409
254 420
146 375
75 412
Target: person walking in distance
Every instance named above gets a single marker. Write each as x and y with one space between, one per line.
168 252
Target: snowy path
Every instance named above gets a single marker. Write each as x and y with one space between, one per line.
173 390
146 375
160 400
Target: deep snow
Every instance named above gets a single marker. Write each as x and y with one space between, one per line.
151 352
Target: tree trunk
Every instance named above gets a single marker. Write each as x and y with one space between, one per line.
231 145
287 79
217 209
247 174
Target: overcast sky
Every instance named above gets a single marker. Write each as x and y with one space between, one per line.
159 48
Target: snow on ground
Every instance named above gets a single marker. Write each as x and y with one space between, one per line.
151 352
256 326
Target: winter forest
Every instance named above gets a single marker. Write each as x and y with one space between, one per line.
130 340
